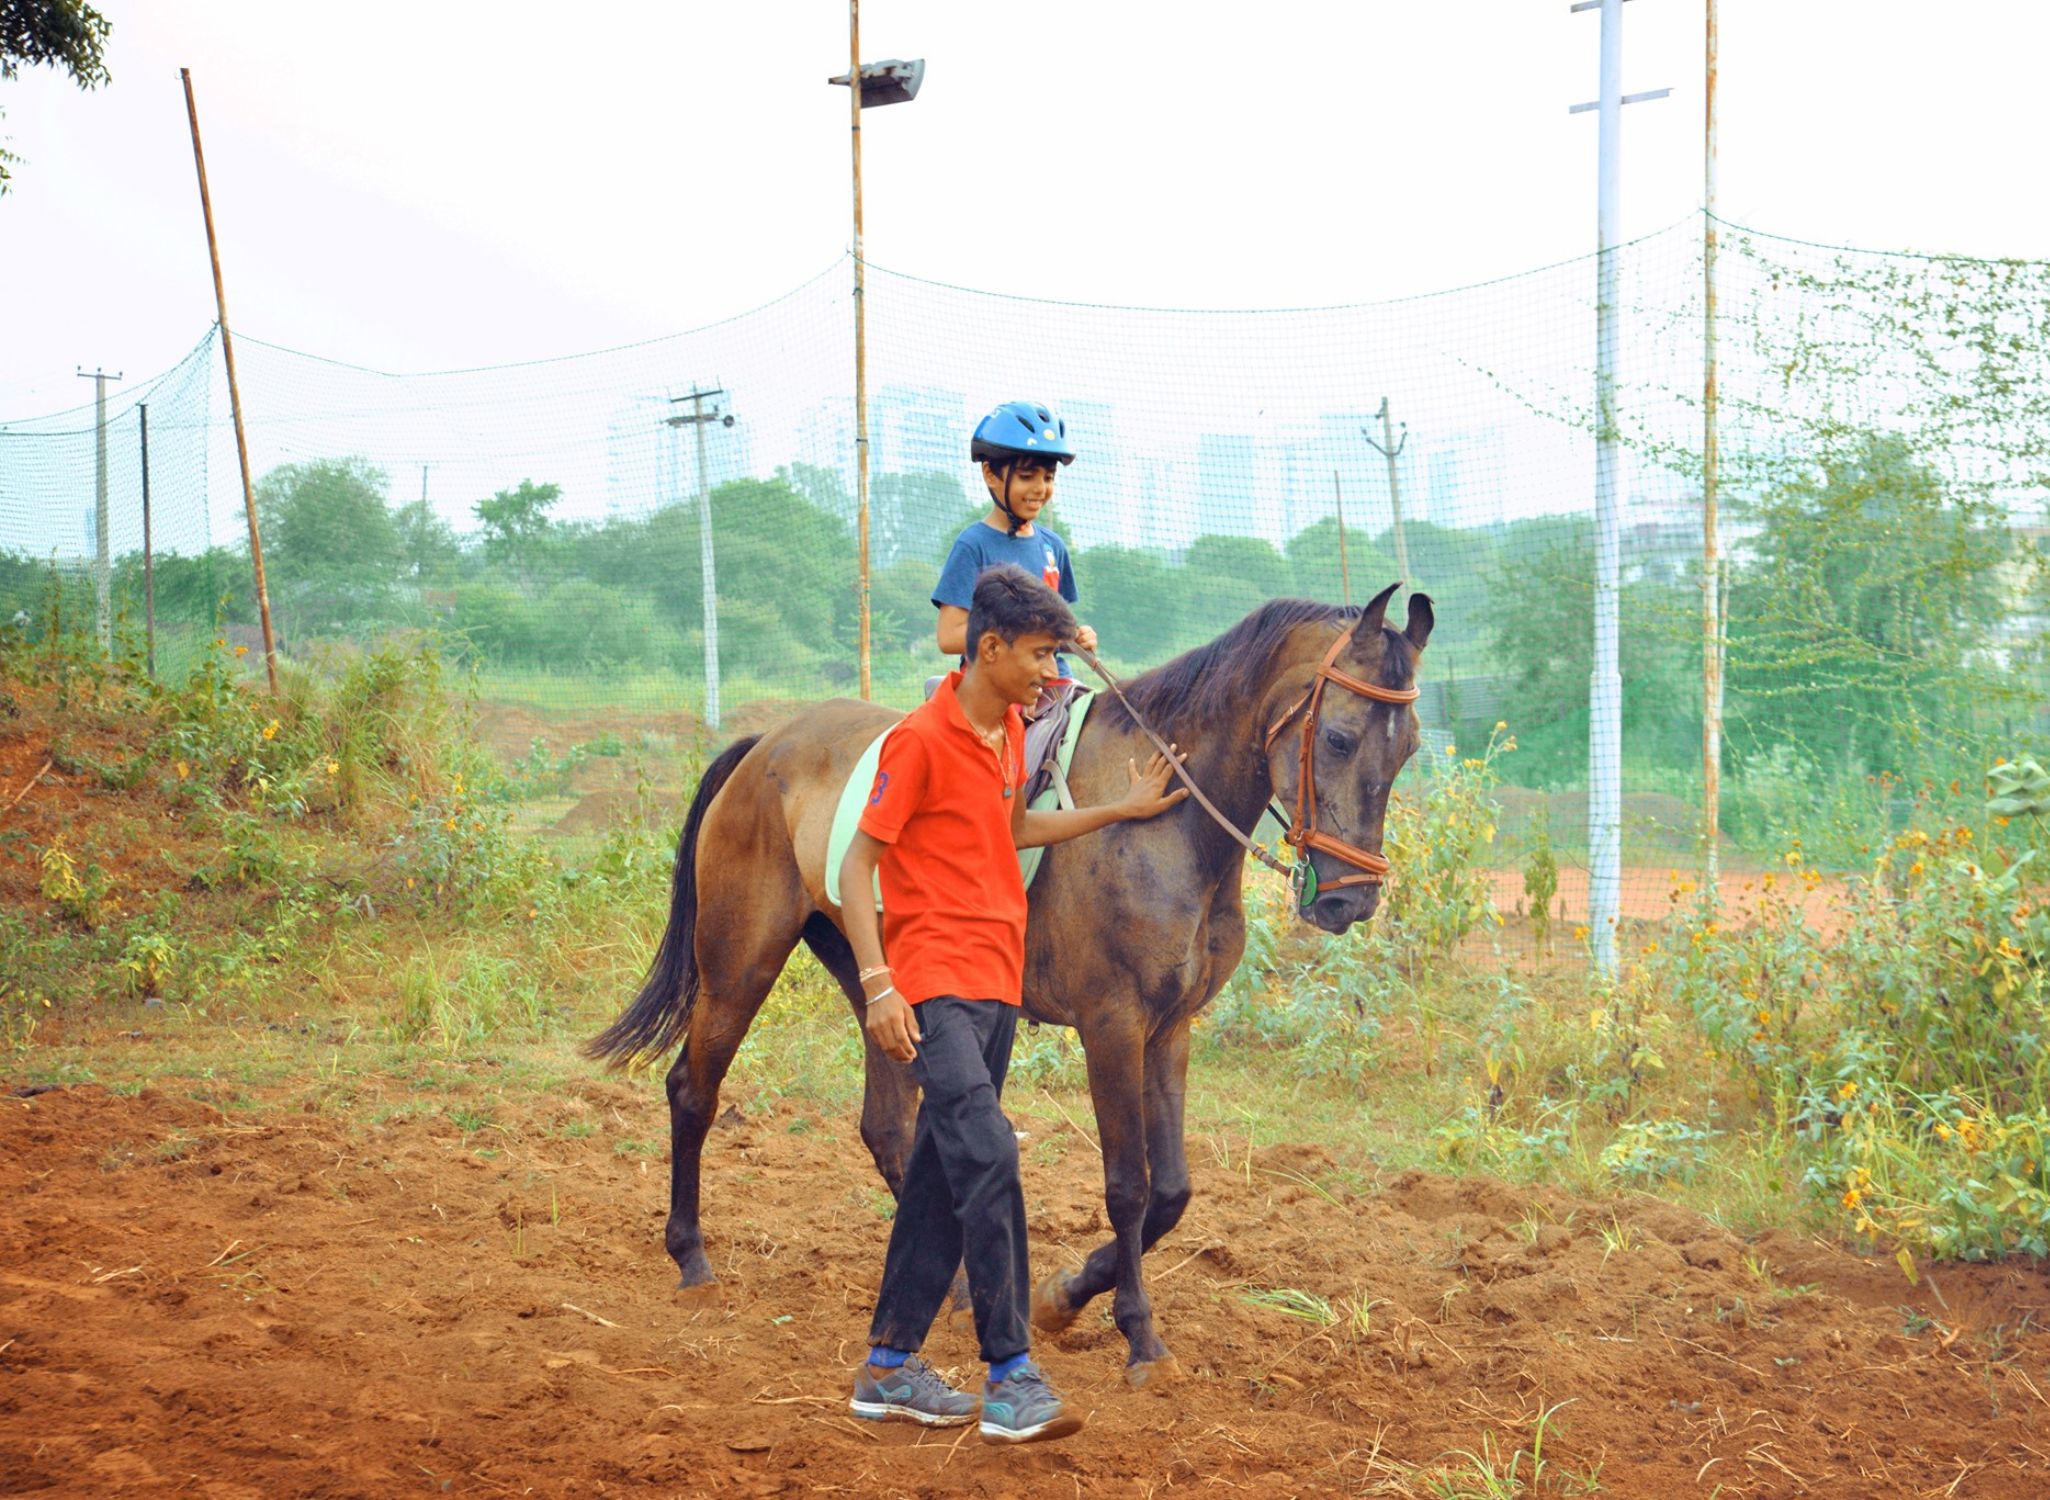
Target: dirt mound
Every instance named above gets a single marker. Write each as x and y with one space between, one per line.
289 1303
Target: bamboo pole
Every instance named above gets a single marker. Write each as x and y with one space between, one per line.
213 250
1344 573
1711 479
149 565
860 333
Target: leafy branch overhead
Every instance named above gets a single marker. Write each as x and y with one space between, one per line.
67 34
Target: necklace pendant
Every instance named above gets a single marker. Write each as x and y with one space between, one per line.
1007 792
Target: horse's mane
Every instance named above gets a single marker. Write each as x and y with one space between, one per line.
1200 685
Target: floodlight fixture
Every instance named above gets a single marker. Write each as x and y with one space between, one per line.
892 81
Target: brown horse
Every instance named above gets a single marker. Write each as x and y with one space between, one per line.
1132 930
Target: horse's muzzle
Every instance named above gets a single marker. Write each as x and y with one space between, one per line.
1334 911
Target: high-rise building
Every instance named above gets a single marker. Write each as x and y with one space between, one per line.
1092 489
1225 503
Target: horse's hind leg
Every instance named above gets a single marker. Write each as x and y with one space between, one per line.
889 1098
740 952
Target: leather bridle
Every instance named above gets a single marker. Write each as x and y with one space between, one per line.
1303 835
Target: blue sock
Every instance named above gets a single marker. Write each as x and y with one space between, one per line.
883 1357
1004 1369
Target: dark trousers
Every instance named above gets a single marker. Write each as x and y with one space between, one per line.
961 1199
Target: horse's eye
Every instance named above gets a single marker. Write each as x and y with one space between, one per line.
1340 742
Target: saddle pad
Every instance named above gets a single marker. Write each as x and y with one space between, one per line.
854 796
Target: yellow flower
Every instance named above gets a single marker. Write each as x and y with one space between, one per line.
1943 1132
1850 1199
270 730
1847 1089
459 786
449 824
533 912
1595 1018
1500 725
241 650
181 768
1580 934
333 766
1915 868
409 882
2000 819
1451 749
1765 1018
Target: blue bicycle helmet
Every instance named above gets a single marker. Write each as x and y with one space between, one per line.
1020 429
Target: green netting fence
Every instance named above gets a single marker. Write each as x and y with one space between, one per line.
1885 431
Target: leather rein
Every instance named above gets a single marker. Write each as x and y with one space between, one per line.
1303 836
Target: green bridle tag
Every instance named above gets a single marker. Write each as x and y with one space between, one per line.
1304 878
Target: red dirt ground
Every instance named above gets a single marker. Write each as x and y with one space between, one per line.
288 1303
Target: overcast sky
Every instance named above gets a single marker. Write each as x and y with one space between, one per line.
417 186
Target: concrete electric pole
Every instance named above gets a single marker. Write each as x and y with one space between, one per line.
103 563
696 419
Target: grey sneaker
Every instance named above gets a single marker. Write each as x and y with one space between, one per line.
913 1391
1025 1409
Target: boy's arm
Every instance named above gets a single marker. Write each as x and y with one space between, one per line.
954 592
1148 798
1085 635
887 1020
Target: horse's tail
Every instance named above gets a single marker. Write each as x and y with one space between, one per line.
660 1013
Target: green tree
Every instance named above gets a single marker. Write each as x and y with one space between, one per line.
330 550
1537 610
516 528
1869 586
1136 602
1227 577
1313 564
66 34
426 545
907 512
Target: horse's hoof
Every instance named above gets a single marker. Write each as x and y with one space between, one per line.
697 1293
1155 1375
960 1317
1051 1310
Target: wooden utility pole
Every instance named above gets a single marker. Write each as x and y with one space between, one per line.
1344 573
213 250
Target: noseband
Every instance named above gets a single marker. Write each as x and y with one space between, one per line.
1303 835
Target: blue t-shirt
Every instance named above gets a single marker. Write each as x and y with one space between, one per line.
1042 554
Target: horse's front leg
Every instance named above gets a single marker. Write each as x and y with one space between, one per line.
1117 1087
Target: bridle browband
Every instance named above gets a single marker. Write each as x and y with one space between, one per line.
1302 835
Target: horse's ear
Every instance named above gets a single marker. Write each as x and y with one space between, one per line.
1377 608
1418 628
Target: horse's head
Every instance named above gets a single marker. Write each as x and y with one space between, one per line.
1357 745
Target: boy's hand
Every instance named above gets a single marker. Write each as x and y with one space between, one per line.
1085 637
893 1028
1149 796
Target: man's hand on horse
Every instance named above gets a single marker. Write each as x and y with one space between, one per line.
893 1028
1149 797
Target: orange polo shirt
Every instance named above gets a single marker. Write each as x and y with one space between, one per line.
953 900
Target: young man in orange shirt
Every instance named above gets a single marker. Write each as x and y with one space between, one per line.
942 828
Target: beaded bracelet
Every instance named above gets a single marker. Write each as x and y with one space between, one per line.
867 974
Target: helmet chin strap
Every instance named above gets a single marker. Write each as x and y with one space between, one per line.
1004 499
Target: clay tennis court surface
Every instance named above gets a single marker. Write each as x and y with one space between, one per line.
288 1301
